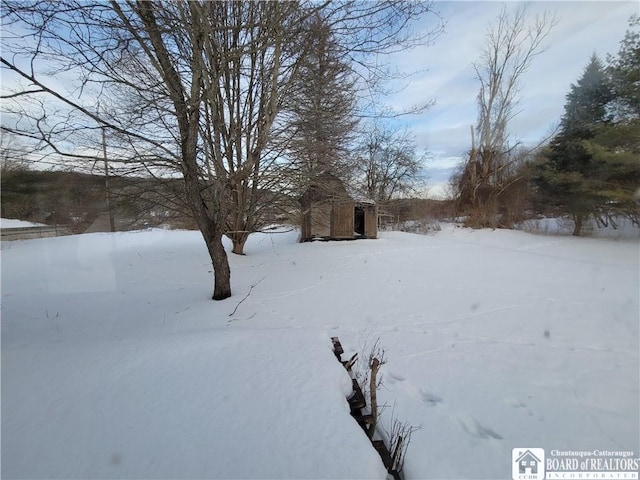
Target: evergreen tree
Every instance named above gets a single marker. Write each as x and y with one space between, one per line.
321 109
625 73
615 148
567 180
593 166
587 100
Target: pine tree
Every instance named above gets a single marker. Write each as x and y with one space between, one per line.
625 73
321 109
593 166
567 176
587 100
616 149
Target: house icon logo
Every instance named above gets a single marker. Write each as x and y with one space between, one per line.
527 463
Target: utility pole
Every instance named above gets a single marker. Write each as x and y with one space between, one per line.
112 223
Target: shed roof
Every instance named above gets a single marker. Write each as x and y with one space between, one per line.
324 186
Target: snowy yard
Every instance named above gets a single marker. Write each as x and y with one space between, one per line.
115 363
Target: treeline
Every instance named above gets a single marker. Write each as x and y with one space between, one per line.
589 170
79 200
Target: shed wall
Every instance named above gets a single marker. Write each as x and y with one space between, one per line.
320 214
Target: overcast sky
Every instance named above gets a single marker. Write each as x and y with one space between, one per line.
582 28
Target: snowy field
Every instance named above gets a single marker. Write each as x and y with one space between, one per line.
115 363
11 223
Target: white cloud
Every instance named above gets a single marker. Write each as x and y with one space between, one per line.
447 75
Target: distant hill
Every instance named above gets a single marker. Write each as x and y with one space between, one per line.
79 200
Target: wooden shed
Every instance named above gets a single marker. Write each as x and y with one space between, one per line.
329 213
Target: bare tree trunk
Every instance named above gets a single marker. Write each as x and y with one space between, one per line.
112 223
222 275
211 228
373 385
239 239
473 165
577 219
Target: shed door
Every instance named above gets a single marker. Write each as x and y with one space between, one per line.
342 219
371 221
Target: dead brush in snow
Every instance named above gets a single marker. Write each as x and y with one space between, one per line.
397 434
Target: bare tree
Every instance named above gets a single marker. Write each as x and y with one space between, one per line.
512 42
187 88
386 163
13 154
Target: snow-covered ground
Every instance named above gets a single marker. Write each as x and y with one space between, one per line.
115 363
12 223
621 229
